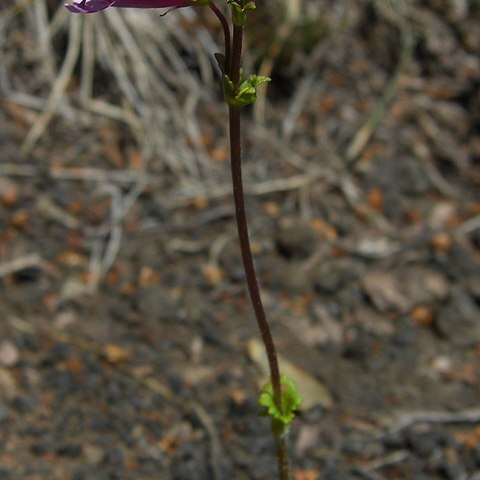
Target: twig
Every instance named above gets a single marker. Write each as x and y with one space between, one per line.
216 248
44 45
266 187
297 103
282 34
368 470
368 475
114 112
465 416
353 198
215 445
5 20
18 170
100 262
363 135
97 175
201 219
88 60
470 225
301 95
18 264
436 178
46 206
87 174
59 87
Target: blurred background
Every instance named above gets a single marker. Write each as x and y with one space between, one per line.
127 343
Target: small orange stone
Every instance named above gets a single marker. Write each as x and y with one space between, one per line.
326 104
375 199
136 160
237 396
271 208
147 277
127 288
422 315
305 474
212 273
323 228
131 464
73 365
199 203
20 218
441 242
111 277
114 353
9 195
219 154
71 258
412 216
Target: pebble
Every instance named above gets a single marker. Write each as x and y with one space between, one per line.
113 456
24 404
189 464
453 472
357 344
394 441
8 384
60 351
289 276
295 239
155 302
423 441
9 354
331 275
458 320
71 450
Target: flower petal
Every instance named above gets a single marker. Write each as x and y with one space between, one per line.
150 3
89 6
92 6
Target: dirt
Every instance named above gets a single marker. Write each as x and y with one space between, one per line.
370 273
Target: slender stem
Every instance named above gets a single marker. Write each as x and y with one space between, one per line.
242 227
280 434
236 54
233 60
226 33
252 283
253 287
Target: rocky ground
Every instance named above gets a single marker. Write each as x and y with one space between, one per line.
128 349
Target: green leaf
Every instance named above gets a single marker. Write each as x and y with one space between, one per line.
239 13
289 397
246 92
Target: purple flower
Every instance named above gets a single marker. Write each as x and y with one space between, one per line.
92 6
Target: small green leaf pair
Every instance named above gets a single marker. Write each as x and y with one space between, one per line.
239 13
246 92
289 397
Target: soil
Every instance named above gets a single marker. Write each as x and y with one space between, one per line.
369 260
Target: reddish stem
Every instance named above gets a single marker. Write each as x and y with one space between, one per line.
226 33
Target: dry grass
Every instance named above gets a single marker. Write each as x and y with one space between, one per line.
158 77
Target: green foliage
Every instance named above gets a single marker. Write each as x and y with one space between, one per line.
289 397
239 13
246 93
